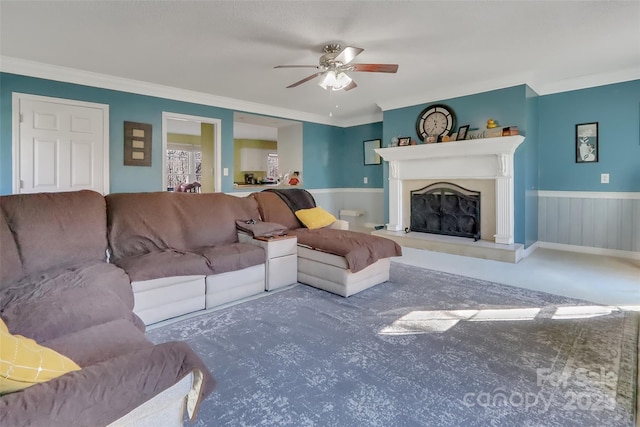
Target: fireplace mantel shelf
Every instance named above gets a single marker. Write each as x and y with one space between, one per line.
472 147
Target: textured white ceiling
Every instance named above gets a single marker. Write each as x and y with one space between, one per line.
229 48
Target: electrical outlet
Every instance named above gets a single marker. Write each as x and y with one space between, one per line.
225 171
366 180
604 178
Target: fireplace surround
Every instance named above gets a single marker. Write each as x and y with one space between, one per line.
478 159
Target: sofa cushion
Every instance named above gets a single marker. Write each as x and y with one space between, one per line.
164 263
58 302
57 229
100 342
141 223
273 209
24 362
232 257
359 249
10 263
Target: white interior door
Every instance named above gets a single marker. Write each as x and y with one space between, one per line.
60 145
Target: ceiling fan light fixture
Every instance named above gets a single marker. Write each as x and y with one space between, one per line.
342 81
328 80
334 81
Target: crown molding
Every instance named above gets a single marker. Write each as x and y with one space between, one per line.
540 87
447 92
71 75
103 81
361 120
584 82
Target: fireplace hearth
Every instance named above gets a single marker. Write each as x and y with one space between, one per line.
446 208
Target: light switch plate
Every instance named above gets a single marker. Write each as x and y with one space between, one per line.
604 178
366 180
225 171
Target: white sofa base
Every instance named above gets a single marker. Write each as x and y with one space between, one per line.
234 285
167 297
165 409
331 272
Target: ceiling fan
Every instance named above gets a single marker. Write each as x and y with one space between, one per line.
335 63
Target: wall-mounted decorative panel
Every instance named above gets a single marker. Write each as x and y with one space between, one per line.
137 144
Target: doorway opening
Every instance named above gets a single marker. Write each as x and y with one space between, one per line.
191 152
266 149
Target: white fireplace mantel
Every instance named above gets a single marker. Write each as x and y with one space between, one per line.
490 158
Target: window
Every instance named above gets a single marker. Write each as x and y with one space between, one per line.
184 164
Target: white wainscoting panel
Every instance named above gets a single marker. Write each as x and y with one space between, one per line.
590 219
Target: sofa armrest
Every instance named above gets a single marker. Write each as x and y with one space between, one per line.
340 224
102 393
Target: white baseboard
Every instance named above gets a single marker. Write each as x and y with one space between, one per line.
589 250
531 249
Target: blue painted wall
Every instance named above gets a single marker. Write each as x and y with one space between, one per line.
353 169
616 108
123 107
504 105
321 158
531 156
321 142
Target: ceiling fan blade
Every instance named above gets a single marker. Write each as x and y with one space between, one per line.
296 66
348 54
375 68
312 76
350 86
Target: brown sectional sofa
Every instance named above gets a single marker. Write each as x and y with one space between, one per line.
82 274
57 288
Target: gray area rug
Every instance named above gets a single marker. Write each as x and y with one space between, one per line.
425 348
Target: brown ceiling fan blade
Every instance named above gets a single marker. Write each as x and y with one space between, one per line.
375 68
298 83
350 86
348 54
296 66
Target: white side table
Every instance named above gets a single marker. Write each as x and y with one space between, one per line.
282 260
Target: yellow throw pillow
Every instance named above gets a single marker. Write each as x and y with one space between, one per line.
24 362
315 218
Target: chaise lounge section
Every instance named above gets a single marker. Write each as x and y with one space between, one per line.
331 258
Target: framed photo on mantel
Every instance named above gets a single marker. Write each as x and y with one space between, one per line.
404 141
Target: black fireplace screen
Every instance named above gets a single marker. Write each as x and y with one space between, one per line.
446 208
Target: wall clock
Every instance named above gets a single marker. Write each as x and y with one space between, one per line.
436 120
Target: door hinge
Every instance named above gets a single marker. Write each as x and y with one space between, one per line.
21 184
21 117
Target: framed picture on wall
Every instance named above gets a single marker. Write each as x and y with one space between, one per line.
137 144
587 142
370 156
